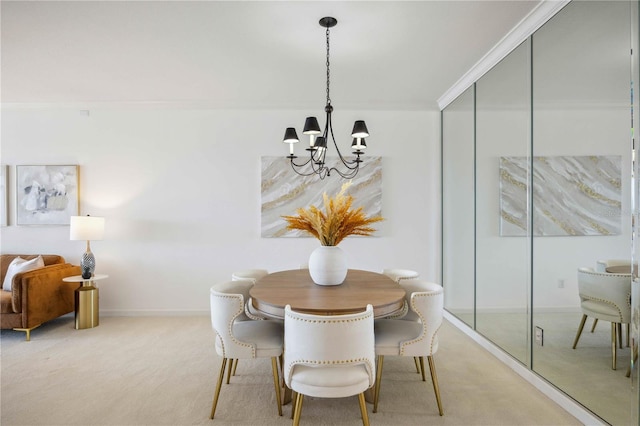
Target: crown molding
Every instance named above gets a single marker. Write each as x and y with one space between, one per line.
527 26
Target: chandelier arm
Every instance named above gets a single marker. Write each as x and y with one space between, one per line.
313 171
348 164
349 175
317 165
293 163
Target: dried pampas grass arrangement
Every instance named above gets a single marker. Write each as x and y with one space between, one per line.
336 222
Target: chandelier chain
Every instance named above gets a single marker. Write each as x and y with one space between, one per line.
328 74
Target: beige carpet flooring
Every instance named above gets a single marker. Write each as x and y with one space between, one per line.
162 371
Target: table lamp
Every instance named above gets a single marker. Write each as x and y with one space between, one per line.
87 228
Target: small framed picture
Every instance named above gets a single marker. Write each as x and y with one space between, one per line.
4 195
46 195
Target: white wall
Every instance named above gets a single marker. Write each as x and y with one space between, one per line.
180 191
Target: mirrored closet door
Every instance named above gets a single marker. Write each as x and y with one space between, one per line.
537 185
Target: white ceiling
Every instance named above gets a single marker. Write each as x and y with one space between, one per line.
240 54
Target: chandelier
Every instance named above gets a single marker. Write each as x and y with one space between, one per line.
318 144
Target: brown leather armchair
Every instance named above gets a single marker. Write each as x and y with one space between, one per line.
36 296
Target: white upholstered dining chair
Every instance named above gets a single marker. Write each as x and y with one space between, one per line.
606 297
242 339
329 356
411 338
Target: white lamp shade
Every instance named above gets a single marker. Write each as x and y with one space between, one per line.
88 228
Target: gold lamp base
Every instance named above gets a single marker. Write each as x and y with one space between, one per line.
87 306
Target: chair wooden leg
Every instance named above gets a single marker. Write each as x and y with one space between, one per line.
415 359
575 342
628 326
614 345
218 386
229 370
434 379
376 393
298 410
593 327
363 409
276 382
235 366
424 379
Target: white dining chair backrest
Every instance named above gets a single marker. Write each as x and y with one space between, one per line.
239 287
411 286
329 341
227 305
400 274
252 275
427 303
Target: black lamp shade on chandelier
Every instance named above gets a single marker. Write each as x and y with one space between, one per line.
315 163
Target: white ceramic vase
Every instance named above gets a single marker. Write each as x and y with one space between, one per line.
328 265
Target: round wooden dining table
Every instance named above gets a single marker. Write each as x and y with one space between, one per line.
295 287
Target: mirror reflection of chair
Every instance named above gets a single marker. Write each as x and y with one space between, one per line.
605 297
242 339
601 266
329 356
406 337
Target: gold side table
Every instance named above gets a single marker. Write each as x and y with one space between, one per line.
87 301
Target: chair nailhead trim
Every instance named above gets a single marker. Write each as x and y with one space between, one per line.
332 362
230 325
424 322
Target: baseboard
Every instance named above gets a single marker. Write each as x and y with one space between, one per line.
154 312
572 407
518 310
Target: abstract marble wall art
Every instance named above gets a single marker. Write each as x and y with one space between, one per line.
46 195
572 195
283 191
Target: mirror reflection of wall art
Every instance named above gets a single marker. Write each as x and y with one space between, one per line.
46 195
573 195
4 195
283 191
